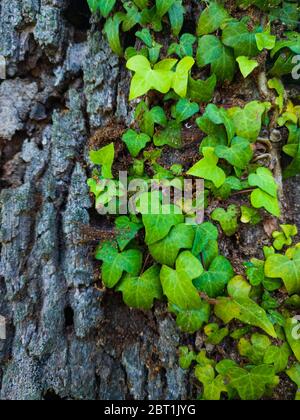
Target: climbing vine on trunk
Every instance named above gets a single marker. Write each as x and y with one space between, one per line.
169 253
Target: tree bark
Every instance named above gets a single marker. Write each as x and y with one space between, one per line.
66 338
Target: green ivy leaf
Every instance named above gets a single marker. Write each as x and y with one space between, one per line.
265 40
135 142
239 154
213 386
219 116
213 281
227 219
105 158
184 109
255 350
176 15
251 384
104 6
205 233
281 266
240 306
212 51
185 46
115 263
181 76
292 332
278 356
266 194
263 179
207 168
163 6
260 199
177 284
159 223
248 121
250 215
284 238
246 65
211 19
141 4
202 90
255 271
140 292
126 231
294 375
237 36
170 136
166 251
186 357
146 78
191 320
112 31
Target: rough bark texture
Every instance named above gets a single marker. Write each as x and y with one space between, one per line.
67 338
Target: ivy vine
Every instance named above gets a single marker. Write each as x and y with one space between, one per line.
159 256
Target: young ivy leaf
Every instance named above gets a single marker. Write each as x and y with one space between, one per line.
212 51
214 281
184 109
213 386
185 46
266 194
115 263
250 215
251 384
181 76
135 142
281 266
207 168
211 19
264 40
227 219
246 65
146 78
239 154
105 158
140 292
240 306
284 238
166 251
248 120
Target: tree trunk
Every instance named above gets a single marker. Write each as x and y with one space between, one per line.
67 338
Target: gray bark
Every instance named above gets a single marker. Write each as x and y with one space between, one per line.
65 338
